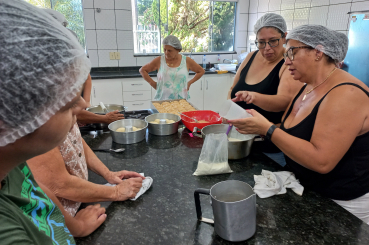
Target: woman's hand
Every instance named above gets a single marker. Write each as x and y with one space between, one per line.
113 116
257 124
117 177
188 86
247 96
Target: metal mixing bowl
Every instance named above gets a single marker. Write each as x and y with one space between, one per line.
163 129
128 137
236 149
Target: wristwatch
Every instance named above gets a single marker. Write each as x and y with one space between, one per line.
270 132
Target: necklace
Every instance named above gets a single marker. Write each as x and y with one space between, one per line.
171 64
308 92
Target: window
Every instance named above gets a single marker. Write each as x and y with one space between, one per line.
201 26
71 9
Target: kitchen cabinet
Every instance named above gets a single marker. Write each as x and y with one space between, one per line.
216 89
136 93
108 91
197 93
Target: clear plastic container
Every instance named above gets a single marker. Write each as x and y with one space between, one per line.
204 61
231 111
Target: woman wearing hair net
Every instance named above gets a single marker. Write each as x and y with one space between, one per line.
325 131
262 82
172 70
42 69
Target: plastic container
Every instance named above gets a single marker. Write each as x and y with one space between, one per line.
227 67
210 116
231 111
204 61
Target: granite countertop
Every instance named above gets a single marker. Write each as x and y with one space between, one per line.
166 213
129 72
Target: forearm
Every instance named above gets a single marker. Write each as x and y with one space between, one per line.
272 103
148 79
196 77
93 162
89 117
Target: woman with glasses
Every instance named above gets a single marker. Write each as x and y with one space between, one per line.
325 131
262 82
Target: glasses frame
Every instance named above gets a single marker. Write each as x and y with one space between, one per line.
290 50
256 43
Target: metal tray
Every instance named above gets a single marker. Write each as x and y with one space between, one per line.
153 108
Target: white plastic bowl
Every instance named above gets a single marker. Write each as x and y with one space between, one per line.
227 67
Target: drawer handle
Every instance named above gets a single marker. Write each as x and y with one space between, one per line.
137 94
133 84
138 104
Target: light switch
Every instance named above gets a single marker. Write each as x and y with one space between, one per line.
117 55
112 55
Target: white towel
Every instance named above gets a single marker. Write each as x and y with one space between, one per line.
274 183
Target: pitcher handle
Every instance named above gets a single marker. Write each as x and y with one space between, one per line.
198 205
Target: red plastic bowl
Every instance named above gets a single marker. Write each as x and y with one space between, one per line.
210 116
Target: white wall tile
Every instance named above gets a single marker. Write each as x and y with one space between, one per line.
105 20
243 6
339 1
263 5
276 12
252 20
251 37
358 6
359 0
301 17
125 39
127 58
88 4
259 15
106 39
104 59
288 17
196 58
315 3
94 58
141 61
242 22
123 4
274 5
302 4
253 6
124 20
104 4
287 4
241 39
91 39
89 18
338 17
318 16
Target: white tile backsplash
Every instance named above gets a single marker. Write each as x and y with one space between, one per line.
88 4
105 20
315 3
339 1
318 16
241 39
300 17
106 39
263 5
125 39
141 61
252 20
287 4
242 22
338 17
89 18
260 15
91 42
123 4
94 58
104 4
358 6
104 59
127 58
288 17
124 20
253 6
243 6
274 5
302 4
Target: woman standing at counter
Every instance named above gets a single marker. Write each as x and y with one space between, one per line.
325 131
262 82
172 70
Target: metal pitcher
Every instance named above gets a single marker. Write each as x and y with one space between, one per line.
234 209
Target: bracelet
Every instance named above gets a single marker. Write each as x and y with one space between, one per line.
270 132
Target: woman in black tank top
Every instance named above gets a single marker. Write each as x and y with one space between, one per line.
325 132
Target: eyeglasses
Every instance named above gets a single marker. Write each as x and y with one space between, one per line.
289 52
272 43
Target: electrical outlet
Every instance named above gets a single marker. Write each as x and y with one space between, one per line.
111 55
117 55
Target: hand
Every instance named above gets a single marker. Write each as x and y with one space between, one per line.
90 218
117 177
188 86
248 97
127 189
113 116
257 124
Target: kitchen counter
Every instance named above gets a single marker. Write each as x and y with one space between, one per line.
166 213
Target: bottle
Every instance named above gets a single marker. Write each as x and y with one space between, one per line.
218 58
204 62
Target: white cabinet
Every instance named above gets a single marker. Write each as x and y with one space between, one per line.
216 89
197 93
136 93
108 91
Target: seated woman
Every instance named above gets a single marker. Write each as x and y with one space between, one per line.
262 82
42 72
325 131
172 70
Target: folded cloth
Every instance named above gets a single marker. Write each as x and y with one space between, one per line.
274 183
146 184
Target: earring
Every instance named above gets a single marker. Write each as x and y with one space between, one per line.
317 58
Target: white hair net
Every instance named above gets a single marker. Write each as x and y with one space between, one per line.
332 43
270 20
58 16
42 68
172 41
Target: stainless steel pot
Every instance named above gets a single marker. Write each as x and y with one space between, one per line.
98 110
163 129
128 137
236 149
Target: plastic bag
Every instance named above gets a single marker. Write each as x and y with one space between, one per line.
214 156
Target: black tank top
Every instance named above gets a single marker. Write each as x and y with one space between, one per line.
268 86
350 178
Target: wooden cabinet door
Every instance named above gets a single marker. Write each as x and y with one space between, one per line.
197 93
216 89
108 91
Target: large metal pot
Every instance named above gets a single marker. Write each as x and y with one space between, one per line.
98 110
236 149
163 129
128 137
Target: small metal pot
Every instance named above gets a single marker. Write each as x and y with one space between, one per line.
236 149
98 110
163 129
128 137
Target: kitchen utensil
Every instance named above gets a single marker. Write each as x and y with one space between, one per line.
236 149
128 137
231 110
103 107
189 117
234 209
110 150
210 116
163 129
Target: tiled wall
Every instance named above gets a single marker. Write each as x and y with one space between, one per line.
330 13
111 31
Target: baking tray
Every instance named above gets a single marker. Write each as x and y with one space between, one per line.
153 108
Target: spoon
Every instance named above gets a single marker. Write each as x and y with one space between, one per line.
104 108
109 150
189 117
